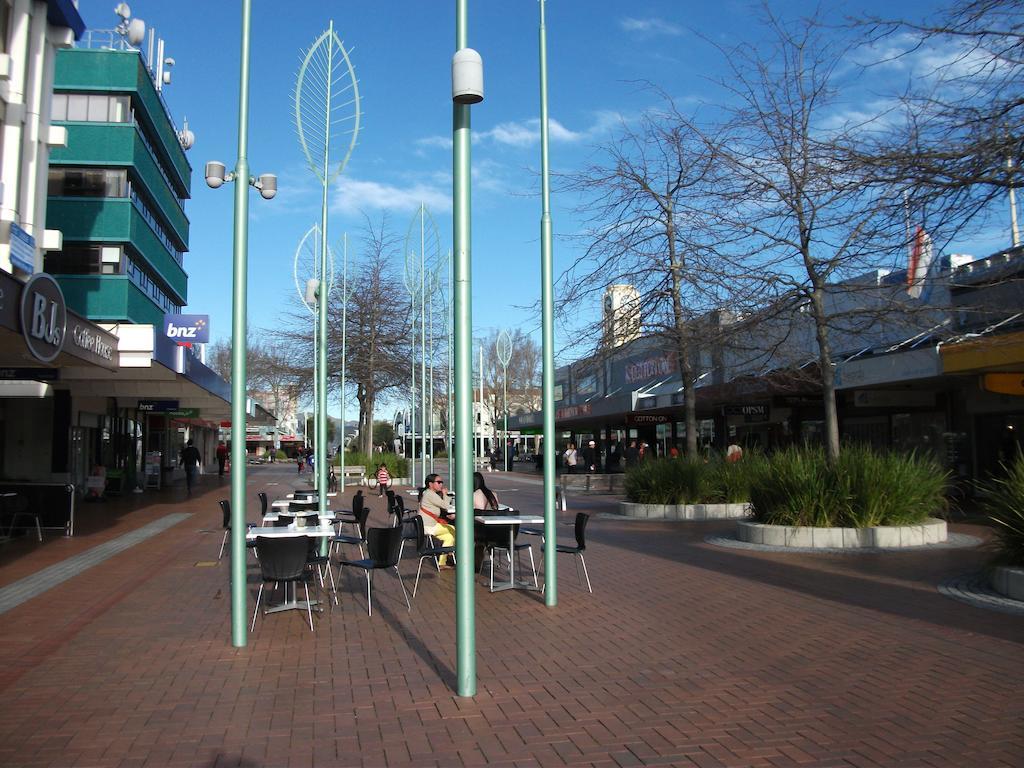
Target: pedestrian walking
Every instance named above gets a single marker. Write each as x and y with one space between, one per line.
190 459
222 457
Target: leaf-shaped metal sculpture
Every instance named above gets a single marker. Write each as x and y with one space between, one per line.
327 105
307 264
503 347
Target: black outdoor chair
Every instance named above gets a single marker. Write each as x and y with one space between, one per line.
582 518
350 517
263 503
424 549
360 522
319 562
382 545
283 559
225 509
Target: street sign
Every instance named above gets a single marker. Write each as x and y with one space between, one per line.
158 406
23 249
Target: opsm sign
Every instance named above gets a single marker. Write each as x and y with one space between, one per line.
187 329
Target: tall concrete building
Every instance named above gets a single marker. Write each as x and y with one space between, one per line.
117 190
620 312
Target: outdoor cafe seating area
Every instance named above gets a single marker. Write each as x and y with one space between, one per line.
301 560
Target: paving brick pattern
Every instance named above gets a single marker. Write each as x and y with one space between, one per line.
685 655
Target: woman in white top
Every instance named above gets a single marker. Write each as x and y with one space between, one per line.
570 458
483 497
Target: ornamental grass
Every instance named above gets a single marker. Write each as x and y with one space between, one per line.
1004 502
863 488
799 486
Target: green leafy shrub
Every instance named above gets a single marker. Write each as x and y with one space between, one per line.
1004 502
798 486
730 482
678 481
398 466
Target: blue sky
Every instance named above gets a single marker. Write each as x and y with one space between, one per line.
599 52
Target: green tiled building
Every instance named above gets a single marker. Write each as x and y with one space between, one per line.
117 190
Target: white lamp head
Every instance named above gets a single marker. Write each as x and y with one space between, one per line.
312 288
267 185
467 77
215 173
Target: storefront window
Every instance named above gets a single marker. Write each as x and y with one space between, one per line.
920 432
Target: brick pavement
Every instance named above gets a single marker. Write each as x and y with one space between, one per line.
686 655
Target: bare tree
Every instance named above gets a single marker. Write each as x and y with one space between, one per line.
271 369
376 329
648 226
523 374
814 219
964 136
378 322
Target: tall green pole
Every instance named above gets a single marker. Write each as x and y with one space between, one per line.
323 295
240 256
423 348
465 610
344 330
548 325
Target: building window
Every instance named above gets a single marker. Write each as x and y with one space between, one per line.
88 182
91 108
84 259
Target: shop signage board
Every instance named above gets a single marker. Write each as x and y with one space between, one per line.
638 419
756 411
184 413
158 406
187 329
23 249
573 411
883 398
1004 383
152 469
30 374
91 343
884 369
44 317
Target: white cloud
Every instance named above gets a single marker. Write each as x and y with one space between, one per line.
651 26
354 195
442 142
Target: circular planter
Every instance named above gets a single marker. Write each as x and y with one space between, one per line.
1009 582
684 511
808 537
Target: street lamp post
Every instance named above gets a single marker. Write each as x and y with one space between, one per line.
267 185
467 89
548 329
503 348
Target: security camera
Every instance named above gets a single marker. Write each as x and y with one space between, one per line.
168 62
312 289
267 185
215 173
123 10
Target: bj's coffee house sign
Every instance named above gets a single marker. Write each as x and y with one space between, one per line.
37 311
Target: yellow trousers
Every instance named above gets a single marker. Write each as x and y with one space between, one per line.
445 534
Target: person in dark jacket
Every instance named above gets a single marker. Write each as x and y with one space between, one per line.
632 454
592 457
190 459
